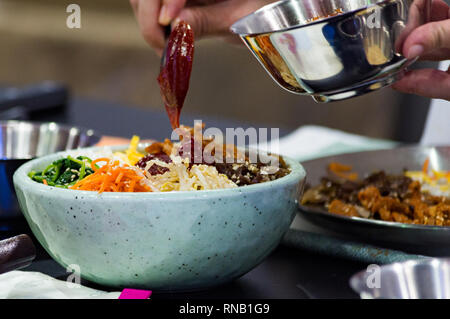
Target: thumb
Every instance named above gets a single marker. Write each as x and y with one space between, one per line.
216 19
426 82
169 10
206 20
427 38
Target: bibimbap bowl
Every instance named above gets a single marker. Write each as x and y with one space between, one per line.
179 240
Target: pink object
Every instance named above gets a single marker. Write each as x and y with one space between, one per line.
135 294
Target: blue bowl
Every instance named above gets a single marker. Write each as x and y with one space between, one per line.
161 241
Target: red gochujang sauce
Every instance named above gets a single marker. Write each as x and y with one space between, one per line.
175 73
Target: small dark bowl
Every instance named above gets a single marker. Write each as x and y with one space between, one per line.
22 141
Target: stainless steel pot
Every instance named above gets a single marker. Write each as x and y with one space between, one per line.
22 141
412 279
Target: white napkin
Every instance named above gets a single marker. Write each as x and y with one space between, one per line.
437 127
34 285
310 141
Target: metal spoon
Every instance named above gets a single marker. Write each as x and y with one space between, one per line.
167 31
16 253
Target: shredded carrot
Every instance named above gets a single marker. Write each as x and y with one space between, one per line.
45 182
94 162
425 166
112 177
119 178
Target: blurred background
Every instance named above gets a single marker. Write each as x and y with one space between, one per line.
108 60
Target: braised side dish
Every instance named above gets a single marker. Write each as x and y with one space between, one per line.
414 197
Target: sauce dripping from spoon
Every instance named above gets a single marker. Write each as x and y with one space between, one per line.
176 69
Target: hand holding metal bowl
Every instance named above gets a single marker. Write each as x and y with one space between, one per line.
333 49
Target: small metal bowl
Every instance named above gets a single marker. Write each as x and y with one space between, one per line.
22 141
332 49
413 279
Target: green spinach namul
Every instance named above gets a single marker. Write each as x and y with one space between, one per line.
64 172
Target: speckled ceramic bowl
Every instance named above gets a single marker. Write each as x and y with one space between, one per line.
160 241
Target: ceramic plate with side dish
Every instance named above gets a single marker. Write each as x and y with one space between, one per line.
408 237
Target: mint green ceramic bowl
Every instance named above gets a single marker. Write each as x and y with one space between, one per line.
160 241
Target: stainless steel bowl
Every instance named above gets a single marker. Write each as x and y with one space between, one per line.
413 279
22 141
336 57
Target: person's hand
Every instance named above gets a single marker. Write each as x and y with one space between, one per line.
207 17
430 42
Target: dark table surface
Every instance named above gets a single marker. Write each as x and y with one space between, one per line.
286 273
